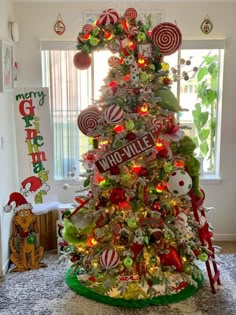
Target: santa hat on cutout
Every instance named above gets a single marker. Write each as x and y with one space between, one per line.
17 202
31 184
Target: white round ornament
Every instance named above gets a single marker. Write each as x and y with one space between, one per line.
179 183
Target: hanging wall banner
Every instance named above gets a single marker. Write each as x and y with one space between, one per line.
34 143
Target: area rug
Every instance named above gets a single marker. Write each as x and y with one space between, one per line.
45 292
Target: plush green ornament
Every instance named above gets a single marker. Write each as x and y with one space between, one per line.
186 148
70 233
168 100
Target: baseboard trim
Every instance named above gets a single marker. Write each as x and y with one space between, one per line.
225 237
5 267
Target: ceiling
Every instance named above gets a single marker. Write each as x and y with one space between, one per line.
133 1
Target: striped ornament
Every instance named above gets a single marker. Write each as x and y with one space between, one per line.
109 259
109 16
113 114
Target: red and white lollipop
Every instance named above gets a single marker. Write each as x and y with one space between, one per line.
87 28
131 14
109 259
113 114
109 16
167 37
88 120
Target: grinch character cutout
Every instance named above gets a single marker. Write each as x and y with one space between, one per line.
24 253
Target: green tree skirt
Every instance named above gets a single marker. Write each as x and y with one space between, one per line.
73 282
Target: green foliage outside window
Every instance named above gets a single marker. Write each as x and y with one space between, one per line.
204 115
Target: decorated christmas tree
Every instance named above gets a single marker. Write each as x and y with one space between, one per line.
135 236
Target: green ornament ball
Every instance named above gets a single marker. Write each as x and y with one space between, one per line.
141 36
94 41
128 262
130 125
144 76
203 257
30 239
132 223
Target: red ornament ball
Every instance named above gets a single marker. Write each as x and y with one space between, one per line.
82 61
166 81
117 196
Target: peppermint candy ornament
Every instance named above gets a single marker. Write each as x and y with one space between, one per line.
88 120
109 16
132 30
113 114
167 37
179 183
113 60
131 14
109 259
157 124
87 28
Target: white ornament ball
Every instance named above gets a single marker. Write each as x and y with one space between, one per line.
179 183
66 186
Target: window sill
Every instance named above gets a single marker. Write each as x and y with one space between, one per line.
210 180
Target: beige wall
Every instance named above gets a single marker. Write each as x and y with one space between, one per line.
36 23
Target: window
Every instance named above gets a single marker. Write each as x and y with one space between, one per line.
200 97
72 90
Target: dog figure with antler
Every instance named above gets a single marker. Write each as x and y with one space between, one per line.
24 253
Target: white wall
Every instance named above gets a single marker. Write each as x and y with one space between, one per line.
8 177
36 22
